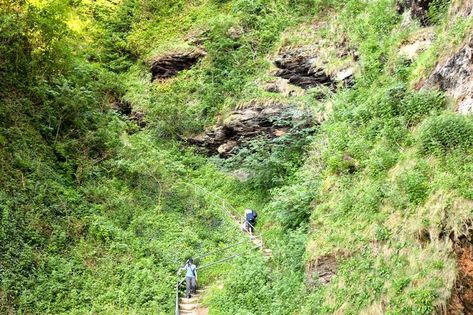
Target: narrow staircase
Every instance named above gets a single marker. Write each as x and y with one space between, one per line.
192 306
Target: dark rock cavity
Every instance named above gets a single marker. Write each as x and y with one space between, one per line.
125 109
299 71
417 9
298 67
168 66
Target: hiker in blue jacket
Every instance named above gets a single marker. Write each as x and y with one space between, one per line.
250 220
191 278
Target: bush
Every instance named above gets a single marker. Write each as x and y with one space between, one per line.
413 185
445 133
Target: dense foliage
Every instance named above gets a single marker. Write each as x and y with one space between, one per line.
97 211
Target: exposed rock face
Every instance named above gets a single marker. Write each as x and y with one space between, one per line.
461 8
321 271
461 300
244 125
417 9
298 67
168 66
455 77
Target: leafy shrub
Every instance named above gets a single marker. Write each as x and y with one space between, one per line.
413 184
413 106
447 132
438 10
419 105
291 204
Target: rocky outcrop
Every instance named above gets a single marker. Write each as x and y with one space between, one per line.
298 66
299 70
461 300
169 65
417 9
463 9
321 271
455 77
242 126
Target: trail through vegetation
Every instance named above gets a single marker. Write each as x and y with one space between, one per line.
346 125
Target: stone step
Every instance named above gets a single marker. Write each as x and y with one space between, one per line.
193 299
188 307
188 312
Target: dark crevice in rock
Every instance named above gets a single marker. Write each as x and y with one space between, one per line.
299 71
298 67
122 107
170 65
125 109
242 126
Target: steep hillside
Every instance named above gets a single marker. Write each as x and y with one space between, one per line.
346 124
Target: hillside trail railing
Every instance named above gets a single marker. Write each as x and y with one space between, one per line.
232 213
237 218
180 280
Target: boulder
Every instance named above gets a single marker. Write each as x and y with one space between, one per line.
243 125
170 65
455 77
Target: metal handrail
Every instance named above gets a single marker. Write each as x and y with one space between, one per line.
219 250
218 262
212 252
233 213
178 284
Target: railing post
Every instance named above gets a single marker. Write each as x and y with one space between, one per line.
177 297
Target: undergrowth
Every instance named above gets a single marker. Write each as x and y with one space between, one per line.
97 212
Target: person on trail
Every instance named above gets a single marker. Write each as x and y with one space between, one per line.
191 278
250 220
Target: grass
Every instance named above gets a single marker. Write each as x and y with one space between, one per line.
102 216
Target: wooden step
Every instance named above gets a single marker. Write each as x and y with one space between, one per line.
188 312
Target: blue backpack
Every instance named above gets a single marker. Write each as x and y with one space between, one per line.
250 217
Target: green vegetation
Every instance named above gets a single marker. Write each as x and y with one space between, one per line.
97 213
